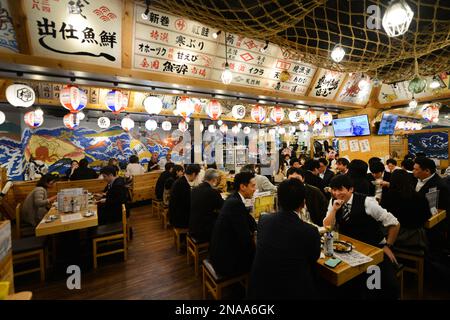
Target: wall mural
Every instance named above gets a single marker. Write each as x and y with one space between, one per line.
433 144
8 41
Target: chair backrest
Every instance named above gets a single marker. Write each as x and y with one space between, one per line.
18 221
124 220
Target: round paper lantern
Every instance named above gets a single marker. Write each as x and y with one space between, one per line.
262 133
277 114
116 101
246 130
238 111
20 95
219 123
212 128
292 129
296 115
197 106
272 132
72 98
103 122
81 115
185 107
183 126
258 113
214 109
303 127
326 118
431 113
318 126
223 128
151 125
236 129
153 105
71 121
2 117
33 119
310 117
127 124
166 125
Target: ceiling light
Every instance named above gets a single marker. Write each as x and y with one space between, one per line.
413 103
263 49
147 10
216 34
397 18
338 53
434 84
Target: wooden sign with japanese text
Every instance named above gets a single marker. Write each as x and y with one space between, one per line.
327 84
79 30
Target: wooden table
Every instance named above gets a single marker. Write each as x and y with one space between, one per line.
435 219
343 272
23 295
57 226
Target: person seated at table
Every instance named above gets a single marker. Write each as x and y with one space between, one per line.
134 168
295 162
311 170
167 159
410 208
362 218
232 247
324 172
376 178
357 171
262 182
391 165
180 197
166 174
110 201
153 163
177 172
342 166
206 202
287 250
37 203
83 172
73 166
113 162
280 176
316 204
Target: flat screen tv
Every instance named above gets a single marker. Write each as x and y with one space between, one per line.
351 126
387 124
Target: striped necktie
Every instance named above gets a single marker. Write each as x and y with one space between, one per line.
346 212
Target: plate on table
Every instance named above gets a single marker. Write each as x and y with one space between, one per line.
342 246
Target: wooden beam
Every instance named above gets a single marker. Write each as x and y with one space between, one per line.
19 21
127 33
443 95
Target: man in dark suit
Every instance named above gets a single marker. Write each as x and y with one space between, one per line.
287 250
311 169
159 188
378 179
83 172
324 173
205 205
115 194
232 246
180 197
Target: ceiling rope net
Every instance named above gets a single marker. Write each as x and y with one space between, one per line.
310 29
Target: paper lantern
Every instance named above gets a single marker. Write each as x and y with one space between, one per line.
272 132
71 121
73 98
183 126
214 109
197 106
185 107
281 130
310 117
246 130
326 118
235 129
417 85
166 125
318 126
277 114
303 127
153 105
238 111
20 95
223 128
258 113
397 18
127 124
81 115
212 128
103 122
337 54
151 125
2 117
296 115
292 129
116 101
431 113
33 119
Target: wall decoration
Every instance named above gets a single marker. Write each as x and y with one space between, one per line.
364 145
351 92
8 41
354 146
20 95
327 84
433 144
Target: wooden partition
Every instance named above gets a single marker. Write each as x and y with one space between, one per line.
378 145
143 186
92 185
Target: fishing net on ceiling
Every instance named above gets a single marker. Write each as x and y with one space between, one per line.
310 29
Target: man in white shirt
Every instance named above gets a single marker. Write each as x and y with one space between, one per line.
162 162
262 183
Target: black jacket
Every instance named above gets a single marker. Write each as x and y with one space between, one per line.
180 203
159 188
286 256
316 203
439 183
314 180
116 195
231 249
327 176
205 205
81 173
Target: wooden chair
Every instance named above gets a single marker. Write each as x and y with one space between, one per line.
196 249
414 263
399 274
22 230
165 217
157 206
178 233
110 234
215 283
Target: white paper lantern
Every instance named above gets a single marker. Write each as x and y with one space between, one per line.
303 127
183 126
39 112
166 125
73 98
397 18
127 124
116 101
238 111
34 119
103 122
153 105
71 121
212 128
188 119
292 129
151 125
81 115
310 117
236 129
262 132
272 132
277 114
214 109
246 130
318 126
258 113
223 128
20 95
2 117
337 54
296 115
185 107
326 118
219 123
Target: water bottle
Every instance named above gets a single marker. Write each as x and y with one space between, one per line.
328 243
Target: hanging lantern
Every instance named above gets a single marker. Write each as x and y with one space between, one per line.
318 126
310 117
326 118
185 107
73 98
103 122
71 121
236 129
338 53
284 76
296 115
258 113
20 95
166 125
197 106
246 130
281 130
116 101
238 111
2 117
212 128
214 109
151 125
292 129
153 105
431 113
413 103
397 18
303 127
417 85
223 128
277 114
183 126
127 124
34 119
81 115
376 82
